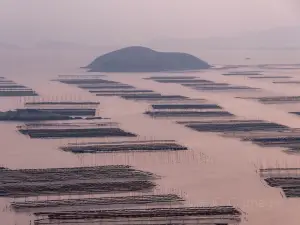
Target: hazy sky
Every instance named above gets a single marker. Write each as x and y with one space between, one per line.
106 22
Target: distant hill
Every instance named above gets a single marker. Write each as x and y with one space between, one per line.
276 38
141 59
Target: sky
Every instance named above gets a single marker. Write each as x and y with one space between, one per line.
110 22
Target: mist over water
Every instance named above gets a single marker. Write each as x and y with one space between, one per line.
41 40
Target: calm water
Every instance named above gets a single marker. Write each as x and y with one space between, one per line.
215 171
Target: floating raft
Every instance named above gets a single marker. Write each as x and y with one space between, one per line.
76 132
102 201
235 126
106 87
126 147
9 88
183 215
186 106
170 77
288 179
61 103
152 97
286 82
85 81
270 77
188 114
68 111
78 180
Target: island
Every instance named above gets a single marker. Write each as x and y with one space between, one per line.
142 59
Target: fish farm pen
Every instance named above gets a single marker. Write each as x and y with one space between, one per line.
129 146
185 106
177 114
121 201
160 216
287 179
78 180
75 132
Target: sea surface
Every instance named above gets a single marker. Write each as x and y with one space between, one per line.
216 171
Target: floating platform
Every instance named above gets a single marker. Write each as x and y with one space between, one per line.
68 111
77 180
63 103
288 179
85 81
270 77
220 127
218 215
130 146
185 106
97 202
106 87
170 77
76 132
153 97
199 114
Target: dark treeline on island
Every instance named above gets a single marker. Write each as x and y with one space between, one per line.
141 59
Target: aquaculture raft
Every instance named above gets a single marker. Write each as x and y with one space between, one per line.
75 133
182 215
188 114
79 180
97 201
288 179
125 147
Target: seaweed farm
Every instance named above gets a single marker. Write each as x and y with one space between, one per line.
234 126
9 88
172 215
77 180
243 73
97 202
186 113
286 82
149 148
185 109
202 85
101 87
276 99
270 77
185 106
287 179
62 132
125 146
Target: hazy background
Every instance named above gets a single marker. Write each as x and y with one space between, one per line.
207 28
110 22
